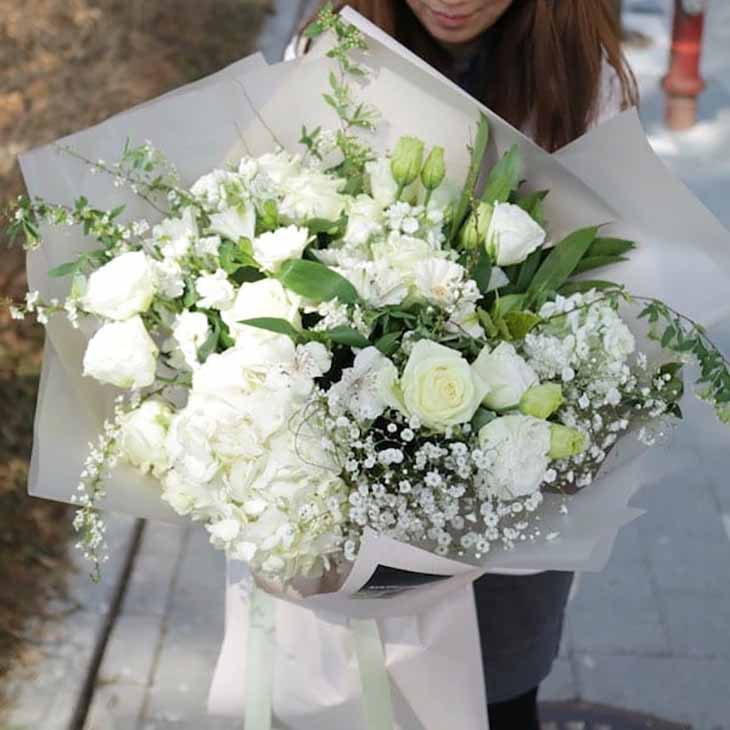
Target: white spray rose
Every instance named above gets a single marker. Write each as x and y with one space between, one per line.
273 248
235 223
312 194
520 446
507 374
264 298
215 290
122 354
439 386
190 332
177 235
122 288
512 235
365 389
143 434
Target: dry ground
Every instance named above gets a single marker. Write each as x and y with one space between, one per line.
66 64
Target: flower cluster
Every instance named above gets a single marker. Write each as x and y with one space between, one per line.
316 344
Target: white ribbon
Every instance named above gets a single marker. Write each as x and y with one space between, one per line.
260 660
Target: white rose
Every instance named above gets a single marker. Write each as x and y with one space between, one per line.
279 166
512 235
122 354
235 223
439 386
507 374
272 248
312 194
520 446
215 291
264 298
364 220
122 288
190 332
143 434
177 235
365 389
402 252
438 280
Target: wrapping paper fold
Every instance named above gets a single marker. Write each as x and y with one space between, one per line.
608 176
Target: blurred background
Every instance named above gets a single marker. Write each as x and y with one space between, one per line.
651 634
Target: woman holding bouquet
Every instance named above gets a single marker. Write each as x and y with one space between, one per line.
552 69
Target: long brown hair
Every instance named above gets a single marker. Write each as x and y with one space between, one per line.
545 64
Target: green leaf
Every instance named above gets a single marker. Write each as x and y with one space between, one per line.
191 295
520 323
504 177
211 342
344 335
561 261
507 304
388 343
532 203
481 418
610 247
322 225
70 267
528 268
483 271
581 287
475 165
488 323
589 263
316 281
275 324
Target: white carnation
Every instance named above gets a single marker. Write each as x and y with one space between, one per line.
312 194
272 248
122 354
235 223
122 288
176 236
520 446
364 220
215 290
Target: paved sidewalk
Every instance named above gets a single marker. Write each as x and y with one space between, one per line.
650 633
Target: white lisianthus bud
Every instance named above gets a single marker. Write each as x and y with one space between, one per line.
271 249
474 231
143 434
406 161
264 298
566 442
520 445
122 288
434 169
541 401
215 290
122 354
507 374
440 387
235 223
512 235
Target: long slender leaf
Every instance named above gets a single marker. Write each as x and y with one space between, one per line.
561 261
528 268
468 191
483 271
504 177
344 335
275 324
581 287
610 247
588 262
70 267
316 281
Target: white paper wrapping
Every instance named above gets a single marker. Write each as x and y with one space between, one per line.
608 176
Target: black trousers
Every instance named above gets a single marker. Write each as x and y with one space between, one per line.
520 623
519 713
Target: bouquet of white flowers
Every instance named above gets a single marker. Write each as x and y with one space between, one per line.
320 348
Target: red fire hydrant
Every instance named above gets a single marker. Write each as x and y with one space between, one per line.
683 83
